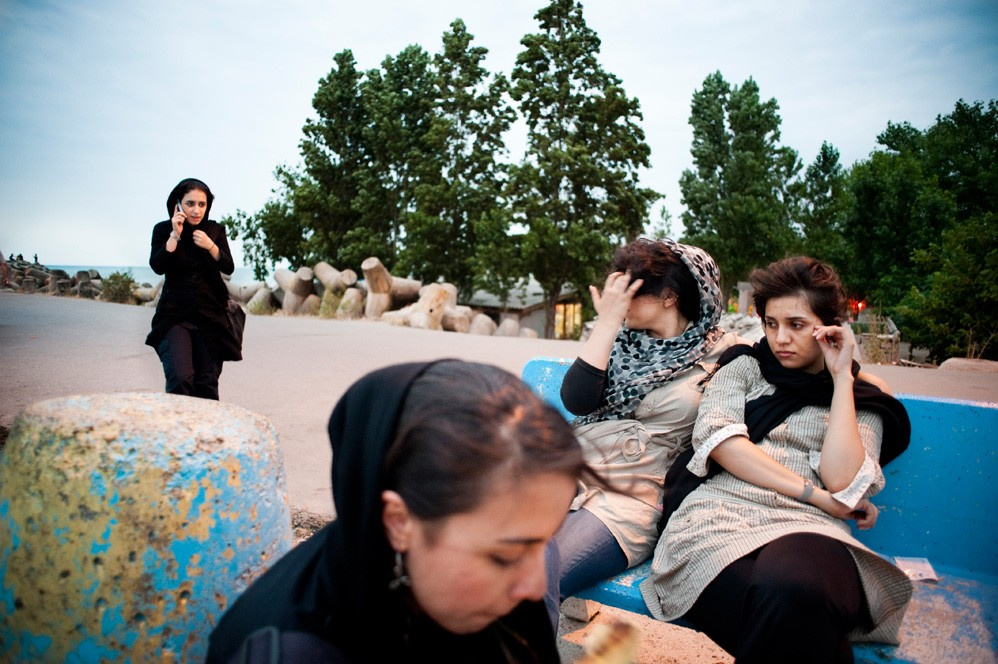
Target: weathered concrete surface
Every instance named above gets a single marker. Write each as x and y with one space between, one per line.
128 522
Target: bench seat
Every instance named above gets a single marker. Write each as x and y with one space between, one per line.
940 503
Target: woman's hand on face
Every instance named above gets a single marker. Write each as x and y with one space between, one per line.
202 240
618 291
837 344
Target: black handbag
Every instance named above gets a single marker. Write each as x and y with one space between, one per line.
236 318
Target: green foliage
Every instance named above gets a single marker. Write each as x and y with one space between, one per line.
922 228
823 201
576 193
956 312
739 197
117 287
465 180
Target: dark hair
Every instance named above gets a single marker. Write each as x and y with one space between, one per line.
465 426
663 271
181 190
817 282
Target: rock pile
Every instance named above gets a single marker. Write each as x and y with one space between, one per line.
28 277
321 290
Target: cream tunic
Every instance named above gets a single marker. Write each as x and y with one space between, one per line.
635 455
727 518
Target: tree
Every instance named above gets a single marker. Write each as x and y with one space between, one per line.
738 199
823 203
314 214
925 226
465 138
576 192
956 313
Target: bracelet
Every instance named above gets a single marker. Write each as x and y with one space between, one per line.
174 236
807 492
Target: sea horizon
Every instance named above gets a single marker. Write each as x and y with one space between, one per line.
143 274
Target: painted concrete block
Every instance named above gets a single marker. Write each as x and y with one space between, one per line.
129 522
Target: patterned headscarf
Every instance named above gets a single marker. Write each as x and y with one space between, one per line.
639 362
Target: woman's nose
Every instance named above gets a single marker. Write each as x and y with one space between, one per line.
532 581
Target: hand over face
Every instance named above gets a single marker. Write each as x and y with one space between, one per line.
614 301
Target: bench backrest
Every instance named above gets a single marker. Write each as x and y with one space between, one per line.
941 497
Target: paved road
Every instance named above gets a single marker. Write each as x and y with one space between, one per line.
295 370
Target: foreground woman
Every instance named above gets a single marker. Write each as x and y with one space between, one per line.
448 480
760 556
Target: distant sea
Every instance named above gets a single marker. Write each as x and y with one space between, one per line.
143 274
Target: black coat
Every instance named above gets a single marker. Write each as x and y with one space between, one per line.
194 291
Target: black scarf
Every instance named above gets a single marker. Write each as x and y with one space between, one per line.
794 390
335 585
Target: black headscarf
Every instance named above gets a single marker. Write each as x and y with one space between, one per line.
795 389
335 585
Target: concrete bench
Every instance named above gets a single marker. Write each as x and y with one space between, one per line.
940 503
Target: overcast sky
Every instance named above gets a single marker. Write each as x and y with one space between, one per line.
106 104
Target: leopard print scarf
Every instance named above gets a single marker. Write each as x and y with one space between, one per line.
639 362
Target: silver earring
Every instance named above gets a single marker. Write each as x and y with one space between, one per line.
401 578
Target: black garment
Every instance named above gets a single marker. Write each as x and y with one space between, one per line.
335 585
193 291
188 364
793 600
582 387
794 390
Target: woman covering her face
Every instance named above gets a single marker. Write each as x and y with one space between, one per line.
190 329
791 442
448 480
635 387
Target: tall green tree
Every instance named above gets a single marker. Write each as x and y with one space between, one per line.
465 138
823 203
577 191
739 199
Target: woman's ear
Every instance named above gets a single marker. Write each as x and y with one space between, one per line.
397 520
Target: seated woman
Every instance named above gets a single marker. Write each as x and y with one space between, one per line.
635 387
760 555
448 480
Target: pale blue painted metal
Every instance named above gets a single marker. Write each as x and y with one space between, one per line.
940 503
129 522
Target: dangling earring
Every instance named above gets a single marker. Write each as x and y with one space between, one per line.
401 578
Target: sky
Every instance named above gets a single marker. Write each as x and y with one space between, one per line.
106 104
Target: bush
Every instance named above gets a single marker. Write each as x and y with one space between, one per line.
118 288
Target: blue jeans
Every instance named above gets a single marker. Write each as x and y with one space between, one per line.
582 553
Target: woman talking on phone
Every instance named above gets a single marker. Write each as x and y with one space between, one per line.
190 328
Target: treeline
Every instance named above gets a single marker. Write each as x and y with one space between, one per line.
407 162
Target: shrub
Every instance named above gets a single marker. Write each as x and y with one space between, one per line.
118 287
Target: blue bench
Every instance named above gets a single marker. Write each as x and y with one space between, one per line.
940 503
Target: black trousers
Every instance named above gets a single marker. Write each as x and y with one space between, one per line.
793 600
188 364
